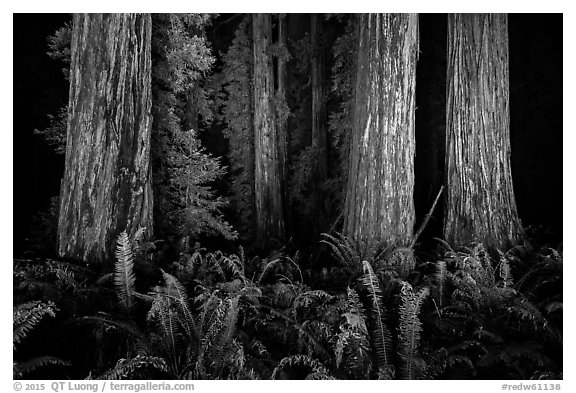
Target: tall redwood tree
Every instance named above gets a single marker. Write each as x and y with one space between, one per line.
267 137
379 207
480 204
107 180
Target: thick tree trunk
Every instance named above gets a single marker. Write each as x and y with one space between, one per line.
107 180
319 136
480 204
268 184
379 207
282 112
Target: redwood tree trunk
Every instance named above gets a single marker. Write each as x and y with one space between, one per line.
379 207
319 136
268 182
480 204
282 112
107 180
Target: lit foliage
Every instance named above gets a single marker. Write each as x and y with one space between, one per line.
343 77
185 203
183 171
25 317
59 50
186 337
59 44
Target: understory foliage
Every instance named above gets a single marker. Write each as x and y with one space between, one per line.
25 317
211 315
317 204
183 171
60 51
235 98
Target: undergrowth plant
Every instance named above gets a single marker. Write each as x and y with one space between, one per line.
485 305
210 315
25 317
183 337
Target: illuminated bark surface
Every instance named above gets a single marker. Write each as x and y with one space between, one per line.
268 169
107 181
379 208
480 204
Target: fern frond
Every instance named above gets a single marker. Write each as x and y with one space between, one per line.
440 281
178 295
266 268
318 376
27 315
130 368
343 249
142 345
302 361
410 328
353 347
166 320
354 304
227 327
519 357
137 240
124 278
554 306
218 333
443 358
402 260
505 271
208 308
22 369
381 336
305 299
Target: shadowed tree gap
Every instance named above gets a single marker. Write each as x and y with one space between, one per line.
430 122
107 180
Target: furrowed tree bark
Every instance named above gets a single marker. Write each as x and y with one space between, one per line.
268 184
282 112
106 186
319 136
379 207
480 203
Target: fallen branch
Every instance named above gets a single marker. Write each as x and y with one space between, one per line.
426 219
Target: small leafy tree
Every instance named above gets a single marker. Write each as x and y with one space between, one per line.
59 50
186 205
